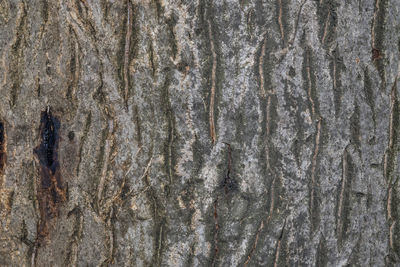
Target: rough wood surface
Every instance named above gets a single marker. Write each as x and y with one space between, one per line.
199 133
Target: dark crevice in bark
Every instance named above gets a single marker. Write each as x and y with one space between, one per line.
369 95
391 151
377 38
297 104
159 221
355 133
229 184
45 15
393 221
86 17
74 66
309 82
137 122
3 150
269 156
273 174
88 123
51 190
278 248
171 23
72 249
343 205
101 169
282 13
169 146
296 25
310 85
215 251
111 244
151 58
16 55
159 8
253 245
355 253
322 253
336 66
127 51
327 20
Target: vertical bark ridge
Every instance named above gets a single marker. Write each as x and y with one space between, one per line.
390 153
390 165
169 157
211 115
88 123
106 152
309 78
254 245
278 246
74 66
314 201
326 27
261 68
280 20
296 25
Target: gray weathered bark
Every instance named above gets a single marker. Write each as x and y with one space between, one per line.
199 133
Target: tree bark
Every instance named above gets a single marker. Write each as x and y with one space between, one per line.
199 133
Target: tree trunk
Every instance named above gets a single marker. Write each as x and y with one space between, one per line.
199 133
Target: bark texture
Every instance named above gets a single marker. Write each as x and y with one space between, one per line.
199 133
